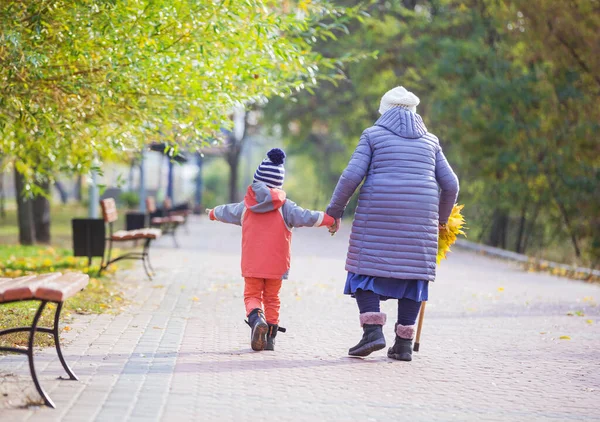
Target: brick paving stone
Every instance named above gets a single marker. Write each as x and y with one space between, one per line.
491 347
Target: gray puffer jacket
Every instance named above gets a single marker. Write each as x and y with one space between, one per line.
409 189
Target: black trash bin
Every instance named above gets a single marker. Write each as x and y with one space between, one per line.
135 220
89 237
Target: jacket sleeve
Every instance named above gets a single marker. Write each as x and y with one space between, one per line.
230 213
448 182
295 216
351 177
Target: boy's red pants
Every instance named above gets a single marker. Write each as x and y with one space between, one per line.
259 291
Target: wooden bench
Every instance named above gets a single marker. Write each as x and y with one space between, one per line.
180 210
159 219
45 288
109 213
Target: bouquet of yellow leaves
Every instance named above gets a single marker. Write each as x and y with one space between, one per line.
447 235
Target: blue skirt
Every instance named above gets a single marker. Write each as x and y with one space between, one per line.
388 288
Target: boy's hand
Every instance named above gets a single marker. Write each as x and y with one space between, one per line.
208 211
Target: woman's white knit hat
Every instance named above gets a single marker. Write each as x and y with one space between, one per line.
399 97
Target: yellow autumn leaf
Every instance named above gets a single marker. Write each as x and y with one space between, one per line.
447 236
565 338
500 289
589 321
66 328
195 299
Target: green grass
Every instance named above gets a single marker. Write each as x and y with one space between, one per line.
101 295
60 225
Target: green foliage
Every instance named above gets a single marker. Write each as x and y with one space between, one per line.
16 261
215 186
511 89
88 80
130 199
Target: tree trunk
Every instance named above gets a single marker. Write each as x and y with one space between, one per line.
24 212
498 231
79 188
64 196
233 160
41 216
531 226
521 232
2 198
199 185
569 226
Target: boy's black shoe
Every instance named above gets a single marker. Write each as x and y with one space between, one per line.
258 324
271 334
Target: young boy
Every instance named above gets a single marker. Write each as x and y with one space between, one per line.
267 219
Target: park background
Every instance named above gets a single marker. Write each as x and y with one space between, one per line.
510 88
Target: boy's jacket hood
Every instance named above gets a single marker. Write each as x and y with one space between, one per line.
261 199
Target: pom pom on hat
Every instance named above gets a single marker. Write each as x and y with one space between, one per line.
276 156
399 97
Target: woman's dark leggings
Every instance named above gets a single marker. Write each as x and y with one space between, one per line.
368 301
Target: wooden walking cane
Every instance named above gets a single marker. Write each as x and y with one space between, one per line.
420 326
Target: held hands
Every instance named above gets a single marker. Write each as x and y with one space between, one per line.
335 227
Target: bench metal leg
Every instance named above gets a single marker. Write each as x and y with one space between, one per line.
174 234
146 259
55 332
104 266
40 390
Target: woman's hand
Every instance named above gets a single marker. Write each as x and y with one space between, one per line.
335 227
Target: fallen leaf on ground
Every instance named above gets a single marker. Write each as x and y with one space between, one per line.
564 338
66 328
195 299
589 321
158 286
156 327
500 289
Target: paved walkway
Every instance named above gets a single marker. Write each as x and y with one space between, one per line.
491 347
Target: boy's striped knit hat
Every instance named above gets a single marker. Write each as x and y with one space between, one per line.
271 170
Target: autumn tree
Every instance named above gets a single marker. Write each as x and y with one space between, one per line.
88 80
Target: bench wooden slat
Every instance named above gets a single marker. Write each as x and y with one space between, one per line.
150 204
62 288
169 219
109 210
137 234
23 288
5 283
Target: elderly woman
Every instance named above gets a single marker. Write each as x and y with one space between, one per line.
407 196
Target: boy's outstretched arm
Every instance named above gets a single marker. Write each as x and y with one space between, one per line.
296 216
229 213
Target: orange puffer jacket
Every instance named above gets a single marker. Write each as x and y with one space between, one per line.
267 219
